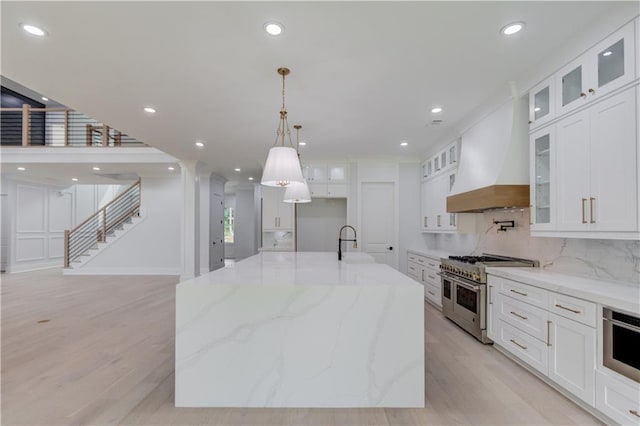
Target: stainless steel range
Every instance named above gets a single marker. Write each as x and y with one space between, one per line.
464 289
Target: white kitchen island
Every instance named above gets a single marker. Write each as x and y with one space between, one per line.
300 330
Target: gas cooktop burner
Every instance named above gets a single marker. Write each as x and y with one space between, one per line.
474 259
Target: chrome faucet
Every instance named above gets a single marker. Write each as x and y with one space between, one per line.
340 240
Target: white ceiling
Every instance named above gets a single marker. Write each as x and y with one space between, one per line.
363 74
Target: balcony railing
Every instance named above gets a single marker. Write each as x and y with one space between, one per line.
28 126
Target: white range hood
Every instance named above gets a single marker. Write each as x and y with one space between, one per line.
494 162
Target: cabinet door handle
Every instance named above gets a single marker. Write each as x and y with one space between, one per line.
431 293
593 92
517 292
275 222
567 309
591 200
518 344
530 214
584 219
490 297
548 333
438 220
518 315
635 413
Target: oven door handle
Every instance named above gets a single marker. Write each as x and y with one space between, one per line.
457 281
622 324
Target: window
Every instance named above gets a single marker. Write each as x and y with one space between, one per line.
229 220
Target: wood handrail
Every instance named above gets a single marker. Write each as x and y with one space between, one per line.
105 206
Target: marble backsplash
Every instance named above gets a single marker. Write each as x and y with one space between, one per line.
606 259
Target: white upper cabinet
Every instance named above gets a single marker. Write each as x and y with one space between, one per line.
606 67
541 103
596 182
325 172
276 214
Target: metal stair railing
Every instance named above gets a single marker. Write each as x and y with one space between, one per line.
102 223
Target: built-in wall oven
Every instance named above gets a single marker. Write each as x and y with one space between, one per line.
621 343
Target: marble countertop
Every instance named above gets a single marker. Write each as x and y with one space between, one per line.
303 269
625 296
433 254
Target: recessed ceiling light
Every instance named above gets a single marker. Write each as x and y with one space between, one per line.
303 143
236 169
44 98
607 53
250 178
404 143
96 168
274 28
149 110
511 29
199 144
74 179
22 169
171 168
32 29
436 110
536 109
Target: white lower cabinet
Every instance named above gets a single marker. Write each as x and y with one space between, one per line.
572 356
553 333
618 399
425 270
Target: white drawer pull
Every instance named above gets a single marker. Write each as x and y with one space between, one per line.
567 309
432 265
518 315
518 344
517 292
635 413
432 277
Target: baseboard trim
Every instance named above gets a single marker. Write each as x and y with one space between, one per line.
122 271
580 403
17 269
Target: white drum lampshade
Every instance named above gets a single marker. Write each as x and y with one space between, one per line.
282 167
297 193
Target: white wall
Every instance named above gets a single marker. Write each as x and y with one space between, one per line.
318 223
153 246
34 224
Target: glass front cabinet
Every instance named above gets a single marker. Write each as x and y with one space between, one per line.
541 103
606 67
542 195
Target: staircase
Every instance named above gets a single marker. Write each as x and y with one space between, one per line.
107 222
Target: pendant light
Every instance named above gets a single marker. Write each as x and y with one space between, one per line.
297 192
283 165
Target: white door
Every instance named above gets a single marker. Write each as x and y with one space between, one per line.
614 185
572 173
379 222
572 357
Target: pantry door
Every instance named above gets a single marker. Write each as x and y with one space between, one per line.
379 222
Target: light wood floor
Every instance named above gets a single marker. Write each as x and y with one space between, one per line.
105 355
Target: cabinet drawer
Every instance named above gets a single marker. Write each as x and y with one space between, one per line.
575 309
432 293
535 296
413 270
530 319
336 190
432 264
412 257
431 277
421 260
525 347
617 399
